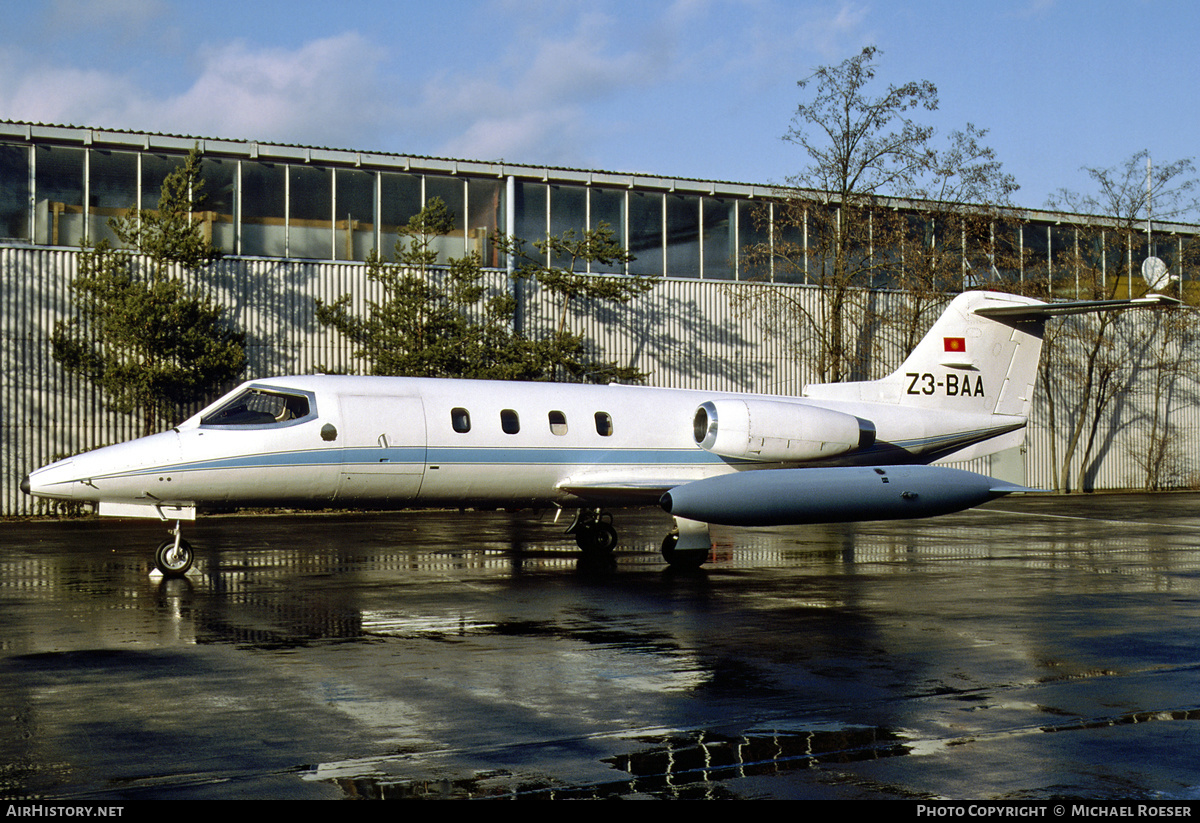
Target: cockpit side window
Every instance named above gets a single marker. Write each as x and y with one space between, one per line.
256 407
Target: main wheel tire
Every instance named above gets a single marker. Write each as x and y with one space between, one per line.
599 538
685 560
172 562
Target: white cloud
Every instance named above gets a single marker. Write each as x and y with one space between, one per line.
546 81
327 91
52 94
530 104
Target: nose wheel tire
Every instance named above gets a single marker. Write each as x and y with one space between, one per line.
173 561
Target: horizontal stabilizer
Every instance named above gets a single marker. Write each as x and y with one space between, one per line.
1040 311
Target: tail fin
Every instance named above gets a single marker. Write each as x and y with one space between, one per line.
981 356
968 361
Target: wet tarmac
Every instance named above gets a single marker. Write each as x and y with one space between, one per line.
1040 647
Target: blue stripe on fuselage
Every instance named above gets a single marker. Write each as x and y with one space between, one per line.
444 456
489 455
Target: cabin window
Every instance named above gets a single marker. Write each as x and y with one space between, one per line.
460 419
260 407
604 426
509 422
558 423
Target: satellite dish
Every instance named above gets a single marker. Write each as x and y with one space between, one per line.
1155 273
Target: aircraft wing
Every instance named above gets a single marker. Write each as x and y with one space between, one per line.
630 490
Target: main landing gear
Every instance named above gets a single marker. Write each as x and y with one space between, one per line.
594 532
174 557
686 547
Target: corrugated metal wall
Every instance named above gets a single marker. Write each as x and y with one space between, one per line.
684 334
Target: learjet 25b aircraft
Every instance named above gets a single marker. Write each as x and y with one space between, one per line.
839 452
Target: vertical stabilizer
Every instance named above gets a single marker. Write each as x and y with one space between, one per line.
970 361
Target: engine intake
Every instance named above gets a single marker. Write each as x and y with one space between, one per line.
777 431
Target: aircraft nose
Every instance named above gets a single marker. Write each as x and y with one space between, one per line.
25 484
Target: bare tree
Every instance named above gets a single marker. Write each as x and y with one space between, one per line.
1171 364
839 223
1100 356
945 240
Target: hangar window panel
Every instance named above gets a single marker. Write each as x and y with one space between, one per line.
259 408
310 204
754 232
531 215
1035 241
719 220
790 243
1091 253
217 204
819 229
568 213
683 236
451 191
1007 253
510 423
1167 248
14 192
608 208
1125 254
646 232
460 420
980 252
263 208
558 423
112 191
354 218
1064 262
399 202
58 211
155 168
604 424
1187 252
485 202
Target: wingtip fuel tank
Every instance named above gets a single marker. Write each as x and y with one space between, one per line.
832 495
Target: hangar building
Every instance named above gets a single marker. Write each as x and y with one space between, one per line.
296 224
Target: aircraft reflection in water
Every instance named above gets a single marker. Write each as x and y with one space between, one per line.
840 452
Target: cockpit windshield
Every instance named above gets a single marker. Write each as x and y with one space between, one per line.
260 407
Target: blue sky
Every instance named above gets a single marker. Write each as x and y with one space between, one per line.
689 88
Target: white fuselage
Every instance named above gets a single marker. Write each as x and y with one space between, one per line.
396 442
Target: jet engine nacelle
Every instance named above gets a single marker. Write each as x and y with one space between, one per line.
782 497
775 431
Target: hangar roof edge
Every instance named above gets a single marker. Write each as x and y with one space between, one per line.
353 158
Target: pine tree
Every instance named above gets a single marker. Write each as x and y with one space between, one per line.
150 341
444 322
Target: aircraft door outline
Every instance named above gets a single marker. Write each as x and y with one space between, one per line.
383 444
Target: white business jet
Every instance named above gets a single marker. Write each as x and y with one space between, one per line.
840 452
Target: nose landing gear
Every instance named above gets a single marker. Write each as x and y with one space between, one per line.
174 557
